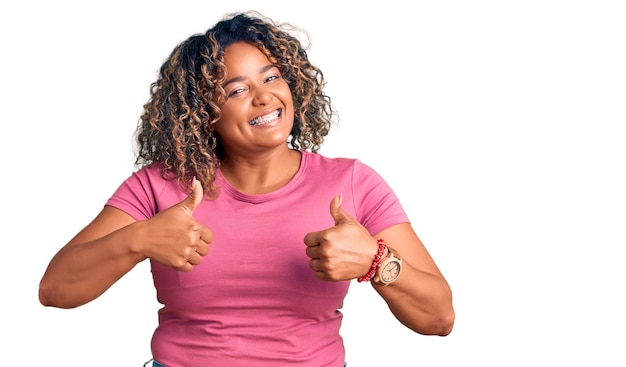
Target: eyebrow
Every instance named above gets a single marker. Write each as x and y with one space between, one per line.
240 78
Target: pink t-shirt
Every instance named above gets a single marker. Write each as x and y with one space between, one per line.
254 301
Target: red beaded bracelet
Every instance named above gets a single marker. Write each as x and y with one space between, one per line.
382 246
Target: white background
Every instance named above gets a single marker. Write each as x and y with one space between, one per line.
500 124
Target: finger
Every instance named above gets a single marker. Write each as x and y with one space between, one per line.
184 264
338 213
194 198
194 258
313 252
202 249
315 264
312 238
185 268
206 235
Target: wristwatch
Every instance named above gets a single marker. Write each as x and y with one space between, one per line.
388 270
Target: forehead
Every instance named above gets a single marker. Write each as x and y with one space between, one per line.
242 55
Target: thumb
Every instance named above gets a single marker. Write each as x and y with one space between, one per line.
338 213
194 198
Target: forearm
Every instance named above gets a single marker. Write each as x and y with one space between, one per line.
421 301
79 273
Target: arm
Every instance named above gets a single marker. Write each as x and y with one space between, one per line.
113 243
420 298
91 262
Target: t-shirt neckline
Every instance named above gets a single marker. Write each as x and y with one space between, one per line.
228 189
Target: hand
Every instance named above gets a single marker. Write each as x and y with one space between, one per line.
342 252
174 237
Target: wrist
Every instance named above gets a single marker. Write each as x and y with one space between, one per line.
388 269
380 254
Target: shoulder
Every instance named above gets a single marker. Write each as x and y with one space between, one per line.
145 178
146 191
152 179
344 165
322 161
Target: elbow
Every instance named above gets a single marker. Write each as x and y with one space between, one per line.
440 324
44 298
445 319
48 296
445 323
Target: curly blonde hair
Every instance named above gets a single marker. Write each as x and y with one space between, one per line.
175 127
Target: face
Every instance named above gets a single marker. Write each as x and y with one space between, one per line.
257 115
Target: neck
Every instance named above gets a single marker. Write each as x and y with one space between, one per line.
260 175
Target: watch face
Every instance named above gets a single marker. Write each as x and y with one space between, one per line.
390 271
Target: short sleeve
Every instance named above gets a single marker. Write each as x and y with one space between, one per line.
376 204
137 195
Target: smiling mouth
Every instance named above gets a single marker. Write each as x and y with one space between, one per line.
265 119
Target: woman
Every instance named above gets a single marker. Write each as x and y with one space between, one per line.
253 237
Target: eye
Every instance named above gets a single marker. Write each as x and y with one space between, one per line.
236 91
271 78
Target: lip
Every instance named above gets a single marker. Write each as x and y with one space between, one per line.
270 118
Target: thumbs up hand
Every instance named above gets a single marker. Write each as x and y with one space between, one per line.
174 238
342 252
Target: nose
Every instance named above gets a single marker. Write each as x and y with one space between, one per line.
262 96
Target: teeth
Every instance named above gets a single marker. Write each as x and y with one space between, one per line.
265 119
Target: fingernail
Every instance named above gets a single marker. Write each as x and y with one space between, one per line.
340 199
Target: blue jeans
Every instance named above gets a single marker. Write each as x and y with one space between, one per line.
154 364
157 364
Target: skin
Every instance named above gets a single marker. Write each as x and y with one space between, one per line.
420 298
257 160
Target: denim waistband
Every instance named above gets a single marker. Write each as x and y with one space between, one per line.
154 364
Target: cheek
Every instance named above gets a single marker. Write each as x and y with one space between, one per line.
288 102
291 111
290 116
231 113
224 128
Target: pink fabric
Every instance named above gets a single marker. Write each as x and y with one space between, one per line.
254 301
